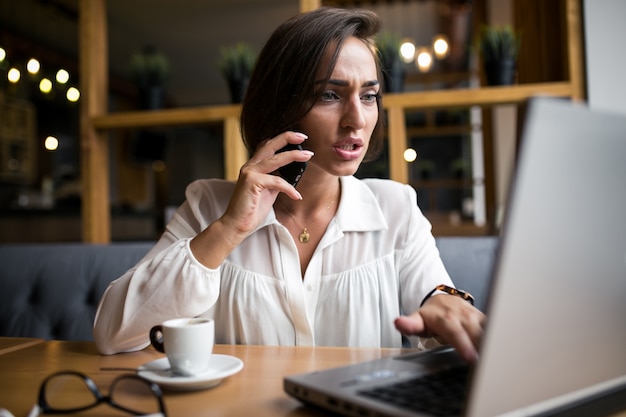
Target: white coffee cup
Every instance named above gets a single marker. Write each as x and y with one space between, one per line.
187 342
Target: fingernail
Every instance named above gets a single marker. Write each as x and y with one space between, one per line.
301 135
307 152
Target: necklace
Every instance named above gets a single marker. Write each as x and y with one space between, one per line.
304 236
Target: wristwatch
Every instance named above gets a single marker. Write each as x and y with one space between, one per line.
452 291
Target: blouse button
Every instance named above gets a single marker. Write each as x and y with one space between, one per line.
309 287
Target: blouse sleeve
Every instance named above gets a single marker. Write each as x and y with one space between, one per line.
421 268
168 282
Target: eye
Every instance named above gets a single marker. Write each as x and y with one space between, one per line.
329 96
369 97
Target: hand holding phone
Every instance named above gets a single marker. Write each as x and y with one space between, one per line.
292 172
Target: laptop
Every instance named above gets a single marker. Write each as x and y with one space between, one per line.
555 341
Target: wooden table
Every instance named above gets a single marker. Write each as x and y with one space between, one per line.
255 391
9 344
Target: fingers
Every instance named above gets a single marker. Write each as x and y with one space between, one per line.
267 159
413 325
269 147
256 190
450 320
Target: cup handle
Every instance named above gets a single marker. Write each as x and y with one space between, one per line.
156 338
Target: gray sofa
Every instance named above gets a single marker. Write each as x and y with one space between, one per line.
51 291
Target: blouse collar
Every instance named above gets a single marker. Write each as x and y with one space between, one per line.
356 197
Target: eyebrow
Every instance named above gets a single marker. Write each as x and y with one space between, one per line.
343 83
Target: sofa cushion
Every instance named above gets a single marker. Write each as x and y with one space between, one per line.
52 291
470 261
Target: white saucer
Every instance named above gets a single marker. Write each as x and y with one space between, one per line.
222 366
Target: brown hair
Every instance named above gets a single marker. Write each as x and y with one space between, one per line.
282 88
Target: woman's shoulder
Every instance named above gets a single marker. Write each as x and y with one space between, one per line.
391 197
388 188
212 186
210 192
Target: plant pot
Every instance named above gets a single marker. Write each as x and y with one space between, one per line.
393 79
152 98
500 72
237 89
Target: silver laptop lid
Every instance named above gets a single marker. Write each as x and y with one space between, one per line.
556 326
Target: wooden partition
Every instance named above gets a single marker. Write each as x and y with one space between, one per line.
95 121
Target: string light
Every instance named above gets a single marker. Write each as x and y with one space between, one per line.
424 60
407 51
73 94
33 66
410 154
62 76
45 85
14 75
440 46
51 143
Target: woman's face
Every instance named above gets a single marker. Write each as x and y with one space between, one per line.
341 122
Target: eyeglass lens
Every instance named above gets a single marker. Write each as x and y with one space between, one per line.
68 392
134 395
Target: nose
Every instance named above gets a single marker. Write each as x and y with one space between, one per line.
353 116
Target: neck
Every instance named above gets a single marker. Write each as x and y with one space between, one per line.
316 196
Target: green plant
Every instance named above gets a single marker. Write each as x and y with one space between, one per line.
388 45
149 68
498 42
426 168
236 61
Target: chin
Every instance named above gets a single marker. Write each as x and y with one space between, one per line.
348 170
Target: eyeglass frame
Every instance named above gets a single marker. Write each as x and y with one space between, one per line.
42 406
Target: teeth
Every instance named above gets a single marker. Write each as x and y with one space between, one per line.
348 147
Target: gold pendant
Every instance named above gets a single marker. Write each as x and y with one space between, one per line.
304 236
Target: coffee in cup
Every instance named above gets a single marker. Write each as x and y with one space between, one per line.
187 343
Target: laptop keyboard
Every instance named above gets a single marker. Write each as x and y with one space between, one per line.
440 394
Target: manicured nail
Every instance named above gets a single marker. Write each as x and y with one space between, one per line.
301 135
307 152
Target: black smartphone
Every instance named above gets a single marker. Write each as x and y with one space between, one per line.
292 172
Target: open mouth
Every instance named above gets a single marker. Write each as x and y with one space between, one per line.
348 147
349 150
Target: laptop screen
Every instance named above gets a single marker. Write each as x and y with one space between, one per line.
555 328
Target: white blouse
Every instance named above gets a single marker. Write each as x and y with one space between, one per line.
376 261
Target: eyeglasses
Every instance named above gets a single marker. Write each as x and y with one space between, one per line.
69 392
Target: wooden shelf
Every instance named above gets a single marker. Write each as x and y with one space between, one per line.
95 121
167 117
484 96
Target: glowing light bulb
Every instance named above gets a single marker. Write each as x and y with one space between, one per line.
424 60
62 76
33 66
410 155
45 85
14 75
407 51
440 46
51 143
3 54
73 94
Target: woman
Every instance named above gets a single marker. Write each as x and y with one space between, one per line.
336 261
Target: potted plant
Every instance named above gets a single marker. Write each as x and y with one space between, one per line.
426 168
150 70
499 47
235 64
388 45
